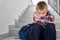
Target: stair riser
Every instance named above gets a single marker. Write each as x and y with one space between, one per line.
58 34
14 32
1 38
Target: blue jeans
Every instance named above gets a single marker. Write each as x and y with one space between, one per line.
49 33
39 32
46 32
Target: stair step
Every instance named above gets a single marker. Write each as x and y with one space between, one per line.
58 33
58 39
14 32
1 38
11 38
58 25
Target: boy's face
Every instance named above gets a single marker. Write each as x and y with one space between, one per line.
42 12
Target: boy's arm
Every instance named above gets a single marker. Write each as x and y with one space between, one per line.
51 18
47 19
35 17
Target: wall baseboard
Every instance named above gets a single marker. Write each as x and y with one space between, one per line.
4 35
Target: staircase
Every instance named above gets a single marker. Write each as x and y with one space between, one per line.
25 19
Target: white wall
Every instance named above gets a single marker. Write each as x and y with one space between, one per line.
36 1
9 10
46 1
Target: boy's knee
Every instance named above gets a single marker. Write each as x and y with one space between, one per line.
51 24
37 26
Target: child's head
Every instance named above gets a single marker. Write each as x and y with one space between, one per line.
41 8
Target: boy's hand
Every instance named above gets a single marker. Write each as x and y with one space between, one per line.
35 15
51 22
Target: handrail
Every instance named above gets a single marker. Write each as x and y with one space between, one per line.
56 11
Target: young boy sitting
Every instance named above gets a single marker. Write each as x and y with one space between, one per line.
45 18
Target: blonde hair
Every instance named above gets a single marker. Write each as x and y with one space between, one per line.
41 5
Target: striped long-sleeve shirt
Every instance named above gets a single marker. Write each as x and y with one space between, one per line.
48 18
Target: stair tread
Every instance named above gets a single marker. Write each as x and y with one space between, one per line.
11 38
57 29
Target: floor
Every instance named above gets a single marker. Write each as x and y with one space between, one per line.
11 38
14 38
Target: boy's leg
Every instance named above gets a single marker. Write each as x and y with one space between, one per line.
37 31
50 32
46 34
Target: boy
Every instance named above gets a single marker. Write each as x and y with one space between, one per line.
42 15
